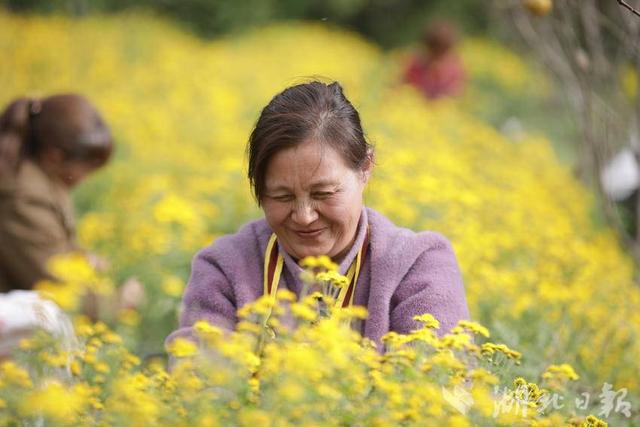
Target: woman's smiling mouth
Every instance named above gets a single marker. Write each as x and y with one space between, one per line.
308 234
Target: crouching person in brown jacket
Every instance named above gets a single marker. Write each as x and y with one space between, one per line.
46 148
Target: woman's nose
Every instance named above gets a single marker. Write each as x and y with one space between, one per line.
304 213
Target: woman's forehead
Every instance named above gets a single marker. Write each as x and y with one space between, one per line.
291 176
309 164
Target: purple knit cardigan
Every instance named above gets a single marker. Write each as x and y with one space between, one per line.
404 274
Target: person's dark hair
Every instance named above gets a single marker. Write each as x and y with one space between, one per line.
68 122
309 111
440 37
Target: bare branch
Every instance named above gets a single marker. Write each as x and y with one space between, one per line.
593 38
549 54
623 3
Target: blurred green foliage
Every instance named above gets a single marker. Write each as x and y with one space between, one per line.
388 22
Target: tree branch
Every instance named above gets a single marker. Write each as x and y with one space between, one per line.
623 3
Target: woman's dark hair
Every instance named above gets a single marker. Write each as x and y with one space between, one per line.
68 122
309 111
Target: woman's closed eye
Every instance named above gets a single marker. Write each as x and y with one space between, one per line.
322 194
283 197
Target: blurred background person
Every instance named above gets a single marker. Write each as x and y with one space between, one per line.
436 70
47 147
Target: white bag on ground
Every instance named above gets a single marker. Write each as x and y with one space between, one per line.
621 176
23 312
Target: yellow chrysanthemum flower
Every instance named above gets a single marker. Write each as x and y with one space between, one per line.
181 347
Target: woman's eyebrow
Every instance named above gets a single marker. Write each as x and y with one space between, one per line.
324 183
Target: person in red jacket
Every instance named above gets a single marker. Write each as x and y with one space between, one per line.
437 70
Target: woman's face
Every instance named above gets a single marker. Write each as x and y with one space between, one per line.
68 171
313 200
73 172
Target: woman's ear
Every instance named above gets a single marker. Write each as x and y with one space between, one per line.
367 167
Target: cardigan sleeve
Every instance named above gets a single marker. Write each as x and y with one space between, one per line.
209 296
432 285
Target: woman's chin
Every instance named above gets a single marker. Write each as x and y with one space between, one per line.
304 251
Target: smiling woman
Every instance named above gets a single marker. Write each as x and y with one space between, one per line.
309 163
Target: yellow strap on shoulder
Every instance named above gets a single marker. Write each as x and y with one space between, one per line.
270 284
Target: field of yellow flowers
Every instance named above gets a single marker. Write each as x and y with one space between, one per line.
539 273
